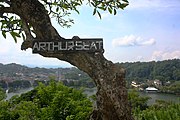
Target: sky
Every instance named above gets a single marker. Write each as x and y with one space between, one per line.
147 30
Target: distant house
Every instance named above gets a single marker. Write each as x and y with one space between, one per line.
167 83
151 89
134 84
157 83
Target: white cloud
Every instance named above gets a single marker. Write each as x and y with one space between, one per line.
148 42
10 52
132 40
162 55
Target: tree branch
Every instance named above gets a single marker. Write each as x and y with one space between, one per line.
6 10
29 38
27 31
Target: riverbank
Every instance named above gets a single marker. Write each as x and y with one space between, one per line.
92 91
19 92
153 96
160 96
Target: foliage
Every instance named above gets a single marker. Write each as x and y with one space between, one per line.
52 102
168 70
13 25
5 113
136 100
3 85
77 79
75 74
173 88
2 94
161 111
18 84
59 9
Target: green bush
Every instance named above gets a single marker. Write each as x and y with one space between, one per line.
163 111
52 102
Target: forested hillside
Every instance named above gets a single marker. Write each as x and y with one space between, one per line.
168 70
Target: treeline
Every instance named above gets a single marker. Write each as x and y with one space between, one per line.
77 78
15 85
168 70
18 84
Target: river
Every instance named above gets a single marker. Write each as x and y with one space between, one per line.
19 92
160 96
92 91
153 96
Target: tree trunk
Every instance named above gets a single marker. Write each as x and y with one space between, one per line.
112 100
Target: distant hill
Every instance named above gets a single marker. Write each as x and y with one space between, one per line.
17 71
17 68
168 70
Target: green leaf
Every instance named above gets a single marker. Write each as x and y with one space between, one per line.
93 4
76 3
57 9
125 1
97 2
65 6
110 10
55 3
76 10
122 6
14 35
102 8
15 39
2 0
11 18
94 12
115 12
4 33
99 14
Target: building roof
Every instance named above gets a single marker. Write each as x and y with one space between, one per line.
151 89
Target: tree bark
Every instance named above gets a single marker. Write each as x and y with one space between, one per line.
112 100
